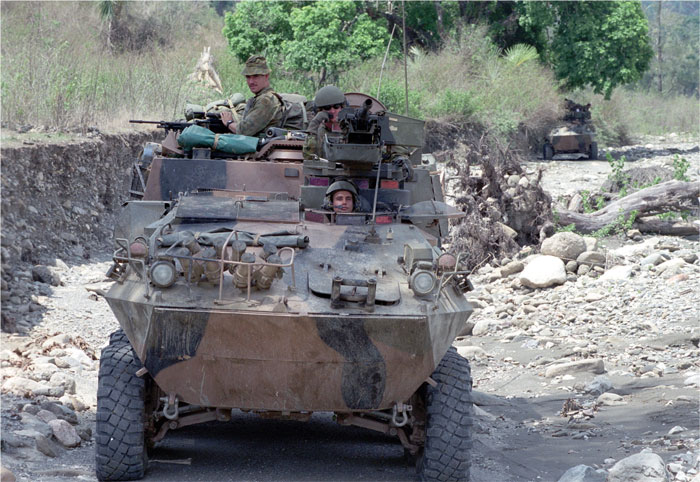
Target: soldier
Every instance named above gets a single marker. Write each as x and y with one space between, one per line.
262 111
341 196
329 101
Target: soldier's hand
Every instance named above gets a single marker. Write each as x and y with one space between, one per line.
226 117
322 116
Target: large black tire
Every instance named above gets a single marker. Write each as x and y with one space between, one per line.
120 434
593 154
118 337
547 151
448 442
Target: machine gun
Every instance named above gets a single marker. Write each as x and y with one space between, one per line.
361 127
211 122
364 137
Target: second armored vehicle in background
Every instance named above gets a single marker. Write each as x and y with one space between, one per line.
575 136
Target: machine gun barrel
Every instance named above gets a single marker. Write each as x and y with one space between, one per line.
170 126
364 113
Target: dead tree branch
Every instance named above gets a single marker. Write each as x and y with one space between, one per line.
671 196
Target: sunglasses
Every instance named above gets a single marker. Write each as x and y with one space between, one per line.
334 106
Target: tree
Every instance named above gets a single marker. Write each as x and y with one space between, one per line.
110 12
319 38
329 36
587 43
601 44
674 27
258 28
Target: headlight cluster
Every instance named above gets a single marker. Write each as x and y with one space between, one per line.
195 261
163 273
422 282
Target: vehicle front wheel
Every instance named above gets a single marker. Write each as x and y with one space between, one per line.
448 441
547 152
593 154
120 433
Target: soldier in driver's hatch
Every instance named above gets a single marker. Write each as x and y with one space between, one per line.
329 101
341 197
262 111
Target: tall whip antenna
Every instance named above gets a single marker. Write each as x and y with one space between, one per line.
405 69
379 88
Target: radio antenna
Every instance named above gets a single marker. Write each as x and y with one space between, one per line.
381 72
405 69
376 190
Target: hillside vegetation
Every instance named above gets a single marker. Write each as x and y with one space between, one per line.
59 71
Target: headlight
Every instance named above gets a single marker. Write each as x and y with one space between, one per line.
163 273
422 282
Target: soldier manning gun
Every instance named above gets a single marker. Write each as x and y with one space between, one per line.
235 288
575 136
577 113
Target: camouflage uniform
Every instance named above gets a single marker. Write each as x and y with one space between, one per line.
265 109
317 131
262 111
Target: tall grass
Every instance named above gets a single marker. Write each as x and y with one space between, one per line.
56 71
469 81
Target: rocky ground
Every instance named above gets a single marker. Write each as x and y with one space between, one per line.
584 352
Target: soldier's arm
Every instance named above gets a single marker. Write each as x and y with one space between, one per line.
259 116
318 121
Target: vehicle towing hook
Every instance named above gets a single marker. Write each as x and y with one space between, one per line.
170 409
400 409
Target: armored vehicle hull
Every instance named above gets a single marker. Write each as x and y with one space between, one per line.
235 288
570 140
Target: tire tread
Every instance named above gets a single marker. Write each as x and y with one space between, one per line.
120 452
450 413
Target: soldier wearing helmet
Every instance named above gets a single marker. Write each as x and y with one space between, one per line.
341 197
262 111
329 101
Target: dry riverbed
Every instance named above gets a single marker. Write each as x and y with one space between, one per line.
596 365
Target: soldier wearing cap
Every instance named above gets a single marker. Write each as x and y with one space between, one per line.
262 111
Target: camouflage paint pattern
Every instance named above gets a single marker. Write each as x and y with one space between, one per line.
570 139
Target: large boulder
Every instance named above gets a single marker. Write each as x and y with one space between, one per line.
618 273
591 258
641 467
582 473
543 272
566 246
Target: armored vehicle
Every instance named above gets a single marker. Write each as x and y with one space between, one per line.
236 288
576 135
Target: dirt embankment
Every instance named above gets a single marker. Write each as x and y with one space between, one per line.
59 200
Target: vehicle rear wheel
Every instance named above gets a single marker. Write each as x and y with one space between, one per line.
593 153
547 152
448 442
120 433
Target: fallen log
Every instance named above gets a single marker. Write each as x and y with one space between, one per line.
669 228
670 196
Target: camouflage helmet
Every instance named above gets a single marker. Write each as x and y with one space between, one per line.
256 65
341 186
329 95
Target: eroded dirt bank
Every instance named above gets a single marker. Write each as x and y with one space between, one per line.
59 200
